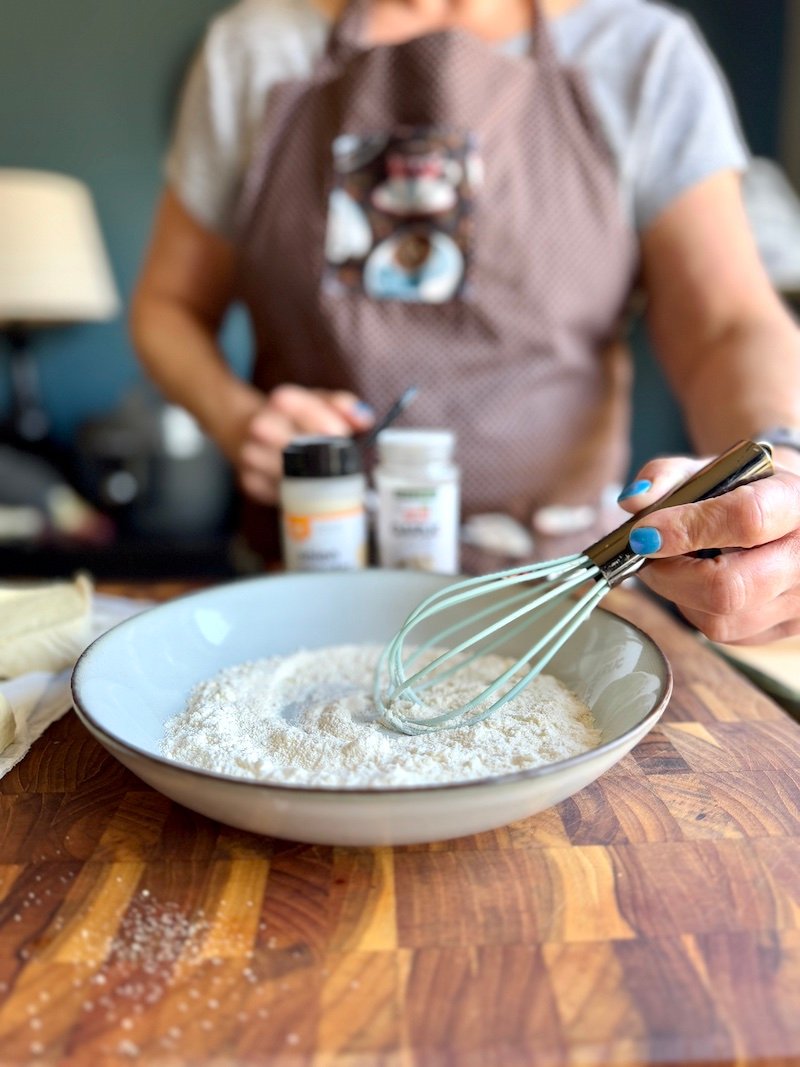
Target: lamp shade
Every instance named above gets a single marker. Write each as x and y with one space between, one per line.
53 263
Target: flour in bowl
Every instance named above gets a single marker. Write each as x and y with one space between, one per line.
309 719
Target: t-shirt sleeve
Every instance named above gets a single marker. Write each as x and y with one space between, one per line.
686 127
204 163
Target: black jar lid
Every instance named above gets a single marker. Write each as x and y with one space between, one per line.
321 457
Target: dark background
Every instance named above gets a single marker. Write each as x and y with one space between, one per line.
89 87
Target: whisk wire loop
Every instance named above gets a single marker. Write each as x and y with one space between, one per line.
391 664
429 674
552 581
382 700
398 664
521 622
470 588
441 601
545 648
555 638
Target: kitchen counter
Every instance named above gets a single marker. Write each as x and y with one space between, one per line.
653 918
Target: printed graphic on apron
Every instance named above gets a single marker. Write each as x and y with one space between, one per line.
400 214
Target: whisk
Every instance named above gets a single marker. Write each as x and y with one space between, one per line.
548 588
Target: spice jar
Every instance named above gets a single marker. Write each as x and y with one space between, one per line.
323 519
418 490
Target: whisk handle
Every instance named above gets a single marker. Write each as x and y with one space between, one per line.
745 462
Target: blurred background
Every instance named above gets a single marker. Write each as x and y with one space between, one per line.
88 90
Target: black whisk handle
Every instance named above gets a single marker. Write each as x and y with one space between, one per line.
747 461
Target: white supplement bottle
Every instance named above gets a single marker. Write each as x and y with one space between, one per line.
323 518
417 486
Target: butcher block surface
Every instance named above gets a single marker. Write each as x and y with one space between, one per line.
653 918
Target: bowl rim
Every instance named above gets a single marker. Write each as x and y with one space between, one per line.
541 771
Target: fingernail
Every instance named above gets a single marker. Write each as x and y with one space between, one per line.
634 488
365 409
645 540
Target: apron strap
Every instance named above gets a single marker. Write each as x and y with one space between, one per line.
345 36
542 48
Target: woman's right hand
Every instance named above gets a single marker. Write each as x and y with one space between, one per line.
289 411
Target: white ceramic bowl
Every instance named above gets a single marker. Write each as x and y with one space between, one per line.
138 675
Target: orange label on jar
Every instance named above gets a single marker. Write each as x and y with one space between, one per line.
334 540
299 527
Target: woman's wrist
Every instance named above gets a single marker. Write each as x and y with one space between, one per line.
227 418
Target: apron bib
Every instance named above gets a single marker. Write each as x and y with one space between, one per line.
438 213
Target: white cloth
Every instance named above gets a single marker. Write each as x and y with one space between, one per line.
661 99
40 698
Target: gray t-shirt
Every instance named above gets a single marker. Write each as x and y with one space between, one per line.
664 105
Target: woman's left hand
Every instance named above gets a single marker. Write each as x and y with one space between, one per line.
748 594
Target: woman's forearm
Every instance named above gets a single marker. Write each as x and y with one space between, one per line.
180 354
746 380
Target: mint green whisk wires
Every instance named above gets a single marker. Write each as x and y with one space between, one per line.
407 686
409 666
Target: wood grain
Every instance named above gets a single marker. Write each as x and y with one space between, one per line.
653 918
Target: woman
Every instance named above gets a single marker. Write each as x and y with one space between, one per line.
463 195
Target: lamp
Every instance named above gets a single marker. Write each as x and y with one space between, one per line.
53 270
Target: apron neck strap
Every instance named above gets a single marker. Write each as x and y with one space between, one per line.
345 36
347 33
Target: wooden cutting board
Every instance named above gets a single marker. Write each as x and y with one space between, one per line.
654 918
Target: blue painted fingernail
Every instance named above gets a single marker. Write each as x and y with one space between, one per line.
634 488
645 540
363 408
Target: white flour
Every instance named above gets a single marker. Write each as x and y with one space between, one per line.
309 719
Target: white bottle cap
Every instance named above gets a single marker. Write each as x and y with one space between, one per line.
415 446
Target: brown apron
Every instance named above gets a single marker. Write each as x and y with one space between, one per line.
499 297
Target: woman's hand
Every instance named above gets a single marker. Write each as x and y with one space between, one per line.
748 594
258 440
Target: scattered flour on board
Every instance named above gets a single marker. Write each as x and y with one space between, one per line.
309 719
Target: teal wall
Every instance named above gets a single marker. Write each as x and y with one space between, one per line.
747 39
88 87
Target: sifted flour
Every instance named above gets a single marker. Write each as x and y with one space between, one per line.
309 719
